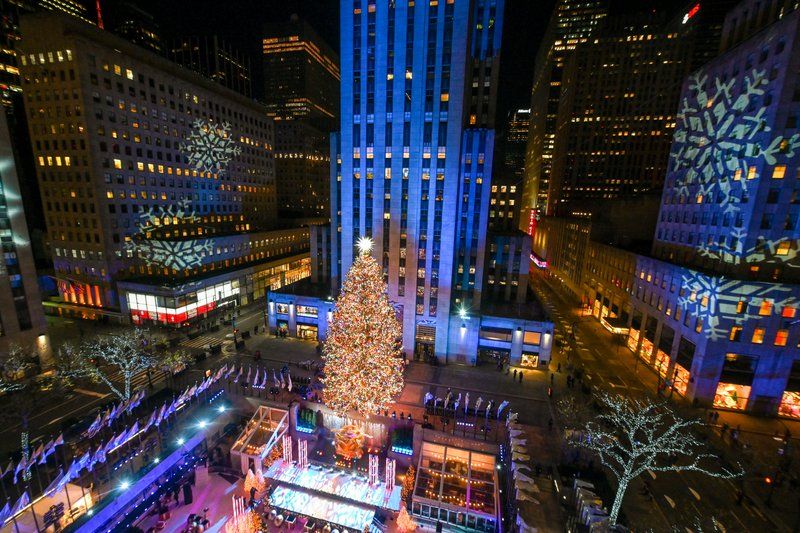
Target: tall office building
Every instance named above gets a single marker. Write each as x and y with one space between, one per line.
133 23
213 58
302 171
571 24
301 74
158 185
412 170
614 128
21 315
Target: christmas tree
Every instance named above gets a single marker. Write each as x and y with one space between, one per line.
408 483
404 520
363 369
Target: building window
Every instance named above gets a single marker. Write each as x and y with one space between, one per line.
778 172
532 337
282 309
789 312
307 310
758 335
736 333
741 307
766 308
781 337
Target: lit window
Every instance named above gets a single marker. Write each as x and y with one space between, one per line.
736 333
737 175
766 308
783 248
758 335
781 337
751 173
789 312
778 172
118 164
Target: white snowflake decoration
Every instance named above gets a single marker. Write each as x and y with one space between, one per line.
716 299
177 255
173 254
210 147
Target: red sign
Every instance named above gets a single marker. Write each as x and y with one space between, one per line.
692 12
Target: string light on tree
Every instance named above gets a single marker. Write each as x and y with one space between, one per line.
363 368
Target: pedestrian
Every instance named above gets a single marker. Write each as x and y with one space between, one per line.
552 378
515 374
520 376
739 497
559 367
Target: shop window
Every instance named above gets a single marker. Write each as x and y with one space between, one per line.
731 396
736 334
529 360
779 172
307 310
282 309
758 335
532 337
495 334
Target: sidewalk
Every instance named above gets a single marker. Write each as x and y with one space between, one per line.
759 438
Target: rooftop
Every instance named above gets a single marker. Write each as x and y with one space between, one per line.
306 287
531 309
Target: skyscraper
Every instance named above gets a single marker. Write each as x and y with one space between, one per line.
412 170
571 24
133 23
21 316
158 184
301 74
215 59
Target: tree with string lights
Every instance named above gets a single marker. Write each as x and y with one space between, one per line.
362 354
631 437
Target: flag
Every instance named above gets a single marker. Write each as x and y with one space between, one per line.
8 468
151 420
458 402
478 405
49 448
161 414
20 468
466 403
36 454
133 431
239 375
23 501
280 376
249 370
60 440
289 379
503 405
99 455
94 428
255 379
275 379
5 513
53 486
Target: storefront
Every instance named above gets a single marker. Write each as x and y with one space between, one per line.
307 332
732 396
529 360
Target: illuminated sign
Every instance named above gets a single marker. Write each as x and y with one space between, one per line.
691 13
541 263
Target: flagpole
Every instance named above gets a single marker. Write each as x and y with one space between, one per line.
14 519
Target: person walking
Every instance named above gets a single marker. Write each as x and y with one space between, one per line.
520 376
515 374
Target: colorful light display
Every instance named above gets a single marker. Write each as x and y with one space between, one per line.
363 368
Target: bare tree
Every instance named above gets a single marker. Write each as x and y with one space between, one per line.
109 359
631 437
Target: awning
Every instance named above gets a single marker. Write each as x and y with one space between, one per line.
615 325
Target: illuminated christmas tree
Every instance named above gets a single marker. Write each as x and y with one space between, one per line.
404 520
363 368
408 483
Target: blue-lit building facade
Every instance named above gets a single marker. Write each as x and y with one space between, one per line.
412 168
722 328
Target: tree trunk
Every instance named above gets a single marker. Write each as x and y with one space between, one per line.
621 488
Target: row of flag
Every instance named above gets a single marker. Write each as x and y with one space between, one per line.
39 456
260 381
8 511
105 419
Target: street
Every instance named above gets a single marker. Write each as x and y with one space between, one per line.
678 499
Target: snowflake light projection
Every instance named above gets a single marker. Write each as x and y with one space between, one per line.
178 255
210 146
173 254
714 299
720 134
